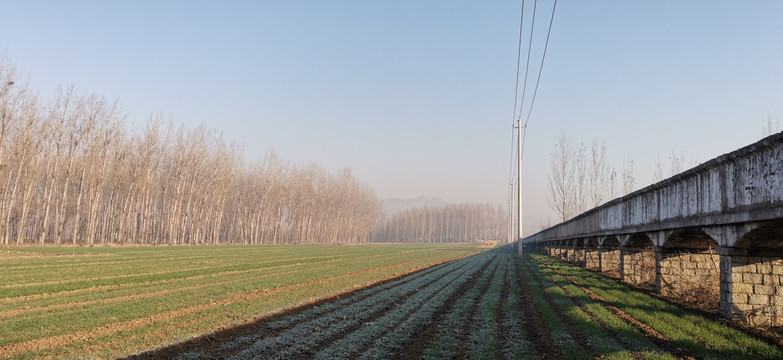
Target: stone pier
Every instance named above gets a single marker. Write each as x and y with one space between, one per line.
750 286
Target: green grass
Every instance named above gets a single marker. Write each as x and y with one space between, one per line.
702 337
107 302
563 340
594 320
49 295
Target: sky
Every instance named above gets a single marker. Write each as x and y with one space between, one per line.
417 97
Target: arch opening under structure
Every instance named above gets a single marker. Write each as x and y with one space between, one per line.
637 261
688 268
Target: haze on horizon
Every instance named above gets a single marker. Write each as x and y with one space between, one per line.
417 98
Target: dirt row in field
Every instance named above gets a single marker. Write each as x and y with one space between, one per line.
136 296
343 320
114 328
573 331
425 335
434 313
88 280
664 344
327 323
490 305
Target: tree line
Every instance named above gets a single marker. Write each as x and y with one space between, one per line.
451 223
72 172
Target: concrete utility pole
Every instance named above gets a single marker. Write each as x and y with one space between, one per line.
511 213
519 184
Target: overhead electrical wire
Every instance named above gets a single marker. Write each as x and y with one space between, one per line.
521 102
513 120
541 67
529 51
516 96
540 70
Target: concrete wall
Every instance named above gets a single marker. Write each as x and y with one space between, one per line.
671 235
742 186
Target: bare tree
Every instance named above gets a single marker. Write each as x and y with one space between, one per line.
561 179
628 176
601 175
772 124
676 161
70 171
581 193
658 172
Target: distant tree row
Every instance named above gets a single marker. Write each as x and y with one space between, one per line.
451 223
71 172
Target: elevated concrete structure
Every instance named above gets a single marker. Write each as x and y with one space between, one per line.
711 232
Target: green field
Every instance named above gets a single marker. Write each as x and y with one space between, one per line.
111 301
491 305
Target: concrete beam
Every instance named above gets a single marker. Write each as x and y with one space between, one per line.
740 187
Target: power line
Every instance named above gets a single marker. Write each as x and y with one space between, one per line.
529 50
541 68
513 119
538 79
522 129
519 58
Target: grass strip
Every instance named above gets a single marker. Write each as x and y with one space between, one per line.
702 337
569 348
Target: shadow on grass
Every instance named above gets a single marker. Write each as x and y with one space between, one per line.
702 336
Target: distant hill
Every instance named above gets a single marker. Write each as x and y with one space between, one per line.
394 205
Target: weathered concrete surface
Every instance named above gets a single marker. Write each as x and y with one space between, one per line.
739 187
712 232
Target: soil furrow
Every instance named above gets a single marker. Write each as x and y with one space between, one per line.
136 296
463 335
577 335
607 330
419 341
209 342
537 331
349 300
500 329
61 340
661 341
179 270
370 344
25 298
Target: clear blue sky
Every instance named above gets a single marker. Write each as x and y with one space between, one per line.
416 97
